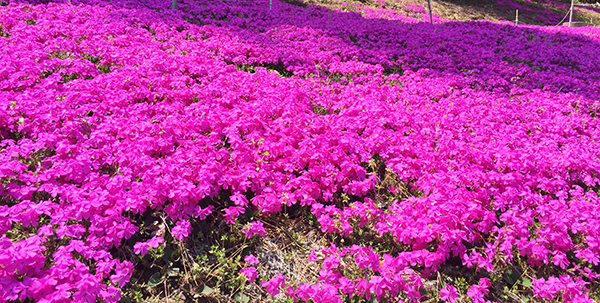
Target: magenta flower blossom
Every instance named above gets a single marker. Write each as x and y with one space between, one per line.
231 213
448 294
122 274
251 259
181 230
478 292
307 291
250 273
571 290
272 286
254 228
380 286
202 213
141 248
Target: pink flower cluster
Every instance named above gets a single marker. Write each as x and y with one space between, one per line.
112 111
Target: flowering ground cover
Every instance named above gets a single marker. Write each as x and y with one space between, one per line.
459 162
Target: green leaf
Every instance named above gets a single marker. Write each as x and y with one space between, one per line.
511 277
527 283
155 280
124 300
175 256
173 272
168 254
205 290
241 298
373 300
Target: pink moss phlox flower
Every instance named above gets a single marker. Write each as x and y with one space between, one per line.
254 228
363 287
380 286
306 291
141 248
365 257
329 276
155 242
250 273
290 292
201 213
239 200
123 272
331 262
272 286
449 294
346 286
251 259
479 291
328 294
231 213
571 289
181 230
321 293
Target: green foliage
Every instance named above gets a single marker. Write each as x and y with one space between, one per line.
320 110
61 54
3 34
66 77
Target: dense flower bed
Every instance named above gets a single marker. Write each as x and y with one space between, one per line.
110 110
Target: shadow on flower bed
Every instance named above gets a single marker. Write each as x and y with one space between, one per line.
309 42
343 46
